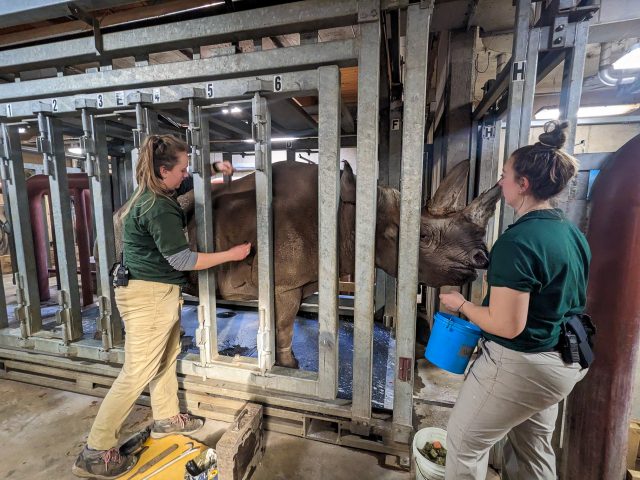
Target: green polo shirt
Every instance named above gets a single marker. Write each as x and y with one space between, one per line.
154 228
546 255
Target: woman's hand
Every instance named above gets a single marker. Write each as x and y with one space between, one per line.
239 252
224 167
452 301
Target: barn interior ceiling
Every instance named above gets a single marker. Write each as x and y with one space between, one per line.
54 20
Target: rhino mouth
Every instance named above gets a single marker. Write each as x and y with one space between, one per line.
462 275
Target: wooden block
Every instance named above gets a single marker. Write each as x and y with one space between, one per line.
633 475
241 447
634 443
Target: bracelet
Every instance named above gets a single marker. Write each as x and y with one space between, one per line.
462 305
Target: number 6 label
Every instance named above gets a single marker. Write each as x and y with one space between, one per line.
277 83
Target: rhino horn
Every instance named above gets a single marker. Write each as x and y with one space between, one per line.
484 206
347 184
451 194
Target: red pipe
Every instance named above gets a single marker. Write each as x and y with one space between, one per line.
84 248
600 405
36 215
37 186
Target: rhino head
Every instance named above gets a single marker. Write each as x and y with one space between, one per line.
451 234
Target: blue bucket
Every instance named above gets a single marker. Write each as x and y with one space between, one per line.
452 342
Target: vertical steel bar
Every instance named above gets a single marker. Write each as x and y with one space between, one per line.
69 314
264 217
519 71
328 204
109 321
529 86
366 207
572 78
415 84
208 334
27 312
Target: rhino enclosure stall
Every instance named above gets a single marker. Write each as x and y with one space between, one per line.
76 344
56 345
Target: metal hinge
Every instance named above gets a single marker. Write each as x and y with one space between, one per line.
404 369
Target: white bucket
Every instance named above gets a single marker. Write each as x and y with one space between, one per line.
425 469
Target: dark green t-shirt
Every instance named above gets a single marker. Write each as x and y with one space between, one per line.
154 228
546 255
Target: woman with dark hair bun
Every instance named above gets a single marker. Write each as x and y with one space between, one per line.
157 255
537 279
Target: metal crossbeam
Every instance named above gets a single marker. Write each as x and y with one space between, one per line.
249 24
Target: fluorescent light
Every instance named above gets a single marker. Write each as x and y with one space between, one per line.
283 139
548 113
249 140
225 110
236 110
22 130
76 150
630 60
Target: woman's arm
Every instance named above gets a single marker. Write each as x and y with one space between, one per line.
506 315
234 254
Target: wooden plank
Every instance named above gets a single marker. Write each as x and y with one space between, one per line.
633 475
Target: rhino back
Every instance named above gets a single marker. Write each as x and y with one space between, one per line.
295 227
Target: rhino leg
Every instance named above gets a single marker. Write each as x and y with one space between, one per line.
287 305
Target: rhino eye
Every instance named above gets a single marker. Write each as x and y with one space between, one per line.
427 238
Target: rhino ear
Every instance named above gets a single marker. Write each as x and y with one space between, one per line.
347 184
483 207
451 194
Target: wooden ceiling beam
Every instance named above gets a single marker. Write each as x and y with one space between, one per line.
77 26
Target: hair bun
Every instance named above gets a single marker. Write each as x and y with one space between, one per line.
554 134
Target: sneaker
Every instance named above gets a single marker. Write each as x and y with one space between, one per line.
180 423
102 463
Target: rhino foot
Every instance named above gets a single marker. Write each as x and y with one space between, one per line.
286 358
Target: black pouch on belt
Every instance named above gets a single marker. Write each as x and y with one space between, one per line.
578 332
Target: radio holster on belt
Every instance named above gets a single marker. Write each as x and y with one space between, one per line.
120 273
576 340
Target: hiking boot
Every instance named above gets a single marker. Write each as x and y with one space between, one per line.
180 423
102 463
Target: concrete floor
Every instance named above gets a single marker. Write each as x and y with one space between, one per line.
42 431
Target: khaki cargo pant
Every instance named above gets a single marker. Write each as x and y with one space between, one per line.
151 315
514 394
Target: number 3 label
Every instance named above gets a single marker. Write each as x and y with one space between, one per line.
100 100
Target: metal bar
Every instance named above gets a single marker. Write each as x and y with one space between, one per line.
207 335
218 91
572 78
69 314
415 84
517 73
366 199
17 13
109 321
264 217
529 86
489 158
254 23
27 310
341 53
328 210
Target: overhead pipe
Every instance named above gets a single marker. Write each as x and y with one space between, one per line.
607 74
599 408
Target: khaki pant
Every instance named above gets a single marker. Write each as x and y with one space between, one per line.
151 314
514 394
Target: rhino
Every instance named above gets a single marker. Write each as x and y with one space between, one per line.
451 246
